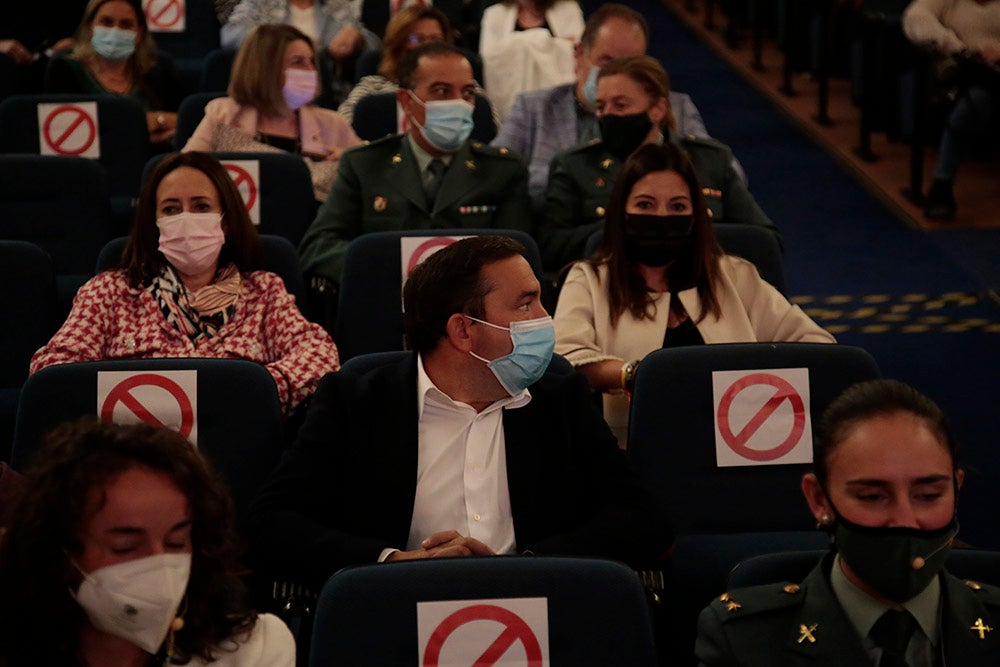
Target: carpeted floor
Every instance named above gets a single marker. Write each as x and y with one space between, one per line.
917 301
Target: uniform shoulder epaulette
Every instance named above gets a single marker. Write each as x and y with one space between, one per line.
707 142
586 147
486 149
987 593
756 600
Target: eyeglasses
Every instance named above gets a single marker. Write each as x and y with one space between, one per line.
416 40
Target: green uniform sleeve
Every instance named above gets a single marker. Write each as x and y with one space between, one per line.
337 222
562 232
514 209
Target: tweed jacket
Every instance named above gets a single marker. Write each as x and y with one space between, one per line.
752 311
322 131
544 122
112 320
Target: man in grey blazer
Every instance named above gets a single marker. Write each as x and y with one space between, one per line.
547 121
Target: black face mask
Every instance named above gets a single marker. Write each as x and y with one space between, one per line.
657 240
623 134
897 562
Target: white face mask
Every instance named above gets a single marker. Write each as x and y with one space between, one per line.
191 242
136 600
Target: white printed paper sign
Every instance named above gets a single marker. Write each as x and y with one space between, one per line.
762 417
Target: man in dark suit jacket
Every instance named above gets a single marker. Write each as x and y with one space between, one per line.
391 463
389 184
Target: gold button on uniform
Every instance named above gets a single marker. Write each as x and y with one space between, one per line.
791 588
599 211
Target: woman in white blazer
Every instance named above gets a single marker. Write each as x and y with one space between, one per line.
562 18
659 279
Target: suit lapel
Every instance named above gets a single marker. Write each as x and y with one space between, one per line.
458 179
405 175
821 616
400 444
521 432
964 645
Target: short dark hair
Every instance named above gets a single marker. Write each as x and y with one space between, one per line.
450 281
411 61
612 10
866 400
627 289
78 459
142 259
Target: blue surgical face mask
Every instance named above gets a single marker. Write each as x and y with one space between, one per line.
534 341
113 43
590 87
447 123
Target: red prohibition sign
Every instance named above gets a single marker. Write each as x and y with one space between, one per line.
516 630
738 441
81 117
416 257
121 393
156 16
241 176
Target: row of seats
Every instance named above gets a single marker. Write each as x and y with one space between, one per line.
721 515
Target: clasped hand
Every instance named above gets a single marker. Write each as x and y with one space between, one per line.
445 543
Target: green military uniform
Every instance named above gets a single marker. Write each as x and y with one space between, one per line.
379 187
580 182
791 624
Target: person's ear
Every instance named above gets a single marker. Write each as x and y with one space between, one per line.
959 479
405 101
457 329
819 504
658 111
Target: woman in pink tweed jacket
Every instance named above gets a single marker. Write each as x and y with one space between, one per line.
187 288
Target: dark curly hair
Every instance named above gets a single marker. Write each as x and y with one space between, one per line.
40 622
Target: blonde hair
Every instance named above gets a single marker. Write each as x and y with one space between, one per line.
259 68
397 31
140 63
651 77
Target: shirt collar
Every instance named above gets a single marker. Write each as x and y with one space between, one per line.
422 157
427 390
863 610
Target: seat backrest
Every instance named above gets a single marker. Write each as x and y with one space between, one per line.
229 406
746 404
120 128
370 311
375 117
283 190
200 32
58 203
28 302
755 244
772 568
751 242
420 612
278 256
218 68
980 565
189 114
